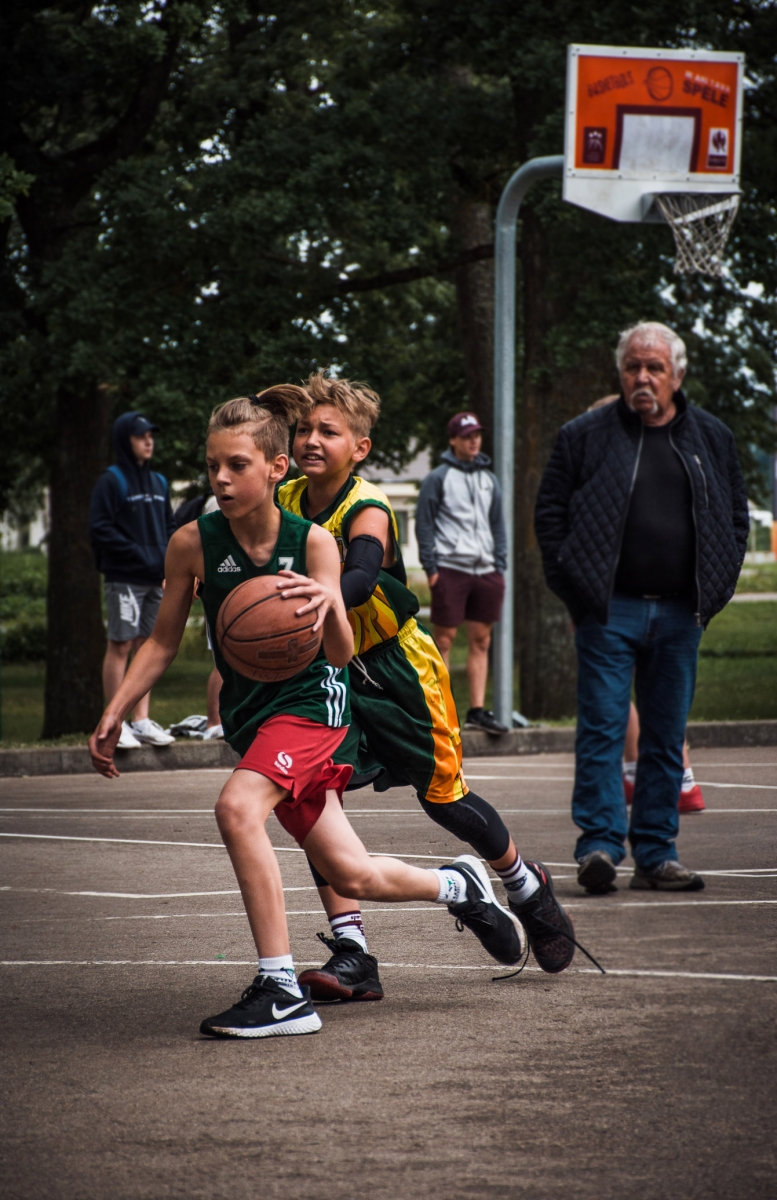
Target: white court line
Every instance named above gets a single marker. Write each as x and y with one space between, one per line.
146 895
51 837
611 907
758 787
194 962
524 778
770 787
62 837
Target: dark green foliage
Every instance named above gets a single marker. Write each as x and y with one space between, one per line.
205 199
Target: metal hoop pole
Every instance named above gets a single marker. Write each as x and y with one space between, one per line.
504 404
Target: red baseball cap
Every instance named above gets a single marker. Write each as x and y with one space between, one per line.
463 424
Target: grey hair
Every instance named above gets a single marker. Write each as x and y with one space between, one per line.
650 332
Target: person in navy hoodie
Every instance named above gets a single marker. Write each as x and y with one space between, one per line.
130 523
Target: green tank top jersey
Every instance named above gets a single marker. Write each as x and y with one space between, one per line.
320 692
391 604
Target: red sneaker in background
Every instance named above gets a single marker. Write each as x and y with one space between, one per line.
692 800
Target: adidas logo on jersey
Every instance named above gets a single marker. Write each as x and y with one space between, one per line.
229 564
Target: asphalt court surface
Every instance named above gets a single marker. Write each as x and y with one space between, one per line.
122 928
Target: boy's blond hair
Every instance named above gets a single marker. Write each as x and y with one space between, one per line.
358 403
267 417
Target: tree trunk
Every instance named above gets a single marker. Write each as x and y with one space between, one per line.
548 670
473 226
76 635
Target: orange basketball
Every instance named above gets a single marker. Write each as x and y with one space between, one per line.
260 636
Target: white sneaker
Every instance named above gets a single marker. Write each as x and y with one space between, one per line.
213 733
151 733
127 741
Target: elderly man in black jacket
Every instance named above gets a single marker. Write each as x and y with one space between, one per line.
642 522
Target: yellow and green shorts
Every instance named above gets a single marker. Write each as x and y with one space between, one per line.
404 717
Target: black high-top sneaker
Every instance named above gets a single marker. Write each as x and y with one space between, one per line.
550 932
350 974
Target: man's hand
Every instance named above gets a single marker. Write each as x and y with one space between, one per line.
433 580
320 597
102 744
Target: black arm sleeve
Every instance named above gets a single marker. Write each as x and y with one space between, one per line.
361 568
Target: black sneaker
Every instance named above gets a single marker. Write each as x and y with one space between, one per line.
499 932
484 719
550 932
264 1010
350 974
596 873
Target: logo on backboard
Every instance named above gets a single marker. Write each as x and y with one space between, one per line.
659 83
594 144
717 151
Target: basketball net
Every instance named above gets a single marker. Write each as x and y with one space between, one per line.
701 229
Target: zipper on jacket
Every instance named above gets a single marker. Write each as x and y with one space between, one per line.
622 529
695 522
697 460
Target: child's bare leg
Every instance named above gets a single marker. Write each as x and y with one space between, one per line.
334 848
336 905
242 809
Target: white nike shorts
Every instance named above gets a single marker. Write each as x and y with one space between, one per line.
132 609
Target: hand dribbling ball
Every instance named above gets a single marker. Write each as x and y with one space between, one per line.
260 635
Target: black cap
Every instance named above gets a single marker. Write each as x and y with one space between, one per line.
140 426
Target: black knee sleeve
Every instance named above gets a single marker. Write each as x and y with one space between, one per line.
318 878
473 820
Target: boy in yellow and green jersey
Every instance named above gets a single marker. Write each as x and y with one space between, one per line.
403 712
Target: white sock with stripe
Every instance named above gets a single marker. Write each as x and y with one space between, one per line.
688 780
349 925
519 882
629 771
281 969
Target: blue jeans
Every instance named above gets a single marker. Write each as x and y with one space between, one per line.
656 642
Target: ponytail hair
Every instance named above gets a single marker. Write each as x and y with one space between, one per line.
266 417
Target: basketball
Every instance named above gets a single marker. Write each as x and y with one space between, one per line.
260 636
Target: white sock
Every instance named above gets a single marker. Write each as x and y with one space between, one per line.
453 885
281 969
688 780
520 883
349 925
629 771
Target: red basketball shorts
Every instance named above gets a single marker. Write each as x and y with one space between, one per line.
297 754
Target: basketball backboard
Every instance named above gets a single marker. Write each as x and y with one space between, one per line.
642 122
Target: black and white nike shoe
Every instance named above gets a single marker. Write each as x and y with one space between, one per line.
264 1010
350 974
499 932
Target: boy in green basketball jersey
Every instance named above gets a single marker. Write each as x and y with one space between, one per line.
286 732
401 698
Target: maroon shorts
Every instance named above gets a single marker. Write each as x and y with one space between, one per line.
458 596
297 754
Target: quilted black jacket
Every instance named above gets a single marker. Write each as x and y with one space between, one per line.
584 497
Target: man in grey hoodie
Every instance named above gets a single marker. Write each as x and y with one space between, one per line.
463 547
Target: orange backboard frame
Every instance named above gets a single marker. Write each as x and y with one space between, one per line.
642 121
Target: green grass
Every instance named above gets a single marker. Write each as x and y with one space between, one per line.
737 678
759 578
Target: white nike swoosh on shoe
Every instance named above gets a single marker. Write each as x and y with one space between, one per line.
279 1013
